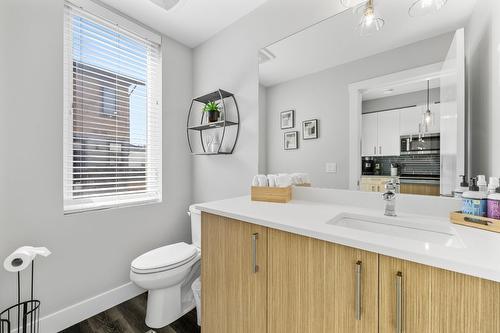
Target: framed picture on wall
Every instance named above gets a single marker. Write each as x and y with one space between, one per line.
287 119
310 129
291 140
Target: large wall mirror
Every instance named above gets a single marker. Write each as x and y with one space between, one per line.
374 94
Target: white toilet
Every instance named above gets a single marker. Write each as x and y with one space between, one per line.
167 273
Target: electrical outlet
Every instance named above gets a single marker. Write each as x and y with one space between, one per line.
331 167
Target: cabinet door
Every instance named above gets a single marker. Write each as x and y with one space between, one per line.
409 120
313 286
234 294
388 133
435 300
369 134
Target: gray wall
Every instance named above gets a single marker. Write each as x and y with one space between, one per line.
483 66
324 96
400 101
229 61
92 251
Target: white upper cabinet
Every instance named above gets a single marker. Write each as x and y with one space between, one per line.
369 141
380 134
388 133
409 120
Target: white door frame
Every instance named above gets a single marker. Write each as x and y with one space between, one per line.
356 91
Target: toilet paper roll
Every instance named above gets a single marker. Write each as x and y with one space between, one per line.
21 258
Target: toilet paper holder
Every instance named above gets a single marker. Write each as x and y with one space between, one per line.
24 316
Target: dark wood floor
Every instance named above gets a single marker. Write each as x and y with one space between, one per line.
128 317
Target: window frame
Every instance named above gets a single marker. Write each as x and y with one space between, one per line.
77 205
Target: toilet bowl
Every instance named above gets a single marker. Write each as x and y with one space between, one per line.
167 274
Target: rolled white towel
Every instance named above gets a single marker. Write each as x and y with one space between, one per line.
284 180
271 179
263 180
255 181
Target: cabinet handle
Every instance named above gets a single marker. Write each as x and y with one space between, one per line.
374 150
399 302
358 290
380 150
255 267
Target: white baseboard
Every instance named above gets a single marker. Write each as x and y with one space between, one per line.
75 313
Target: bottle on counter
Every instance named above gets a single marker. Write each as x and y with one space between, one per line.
493 185
494 204
475 202
464 187
481 182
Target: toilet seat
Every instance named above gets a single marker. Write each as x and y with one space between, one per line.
164 258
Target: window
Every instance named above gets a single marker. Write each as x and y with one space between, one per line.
108 105
112 111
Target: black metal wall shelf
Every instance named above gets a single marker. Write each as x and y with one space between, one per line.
216 124
230 119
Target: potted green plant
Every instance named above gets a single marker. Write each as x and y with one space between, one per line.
213 110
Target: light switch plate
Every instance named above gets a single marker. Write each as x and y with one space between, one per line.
331 167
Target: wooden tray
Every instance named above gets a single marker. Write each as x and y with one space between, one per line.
272 194
479 222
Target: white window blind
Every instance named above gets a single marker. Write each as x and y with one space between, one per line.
112 114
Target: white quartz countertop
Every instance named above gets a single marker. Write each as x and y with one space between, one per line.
479 254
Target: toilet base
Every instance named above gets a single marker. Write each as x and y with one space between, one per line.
169 304
164 306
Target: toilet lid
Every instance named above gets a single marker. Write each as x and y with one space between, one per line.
163 257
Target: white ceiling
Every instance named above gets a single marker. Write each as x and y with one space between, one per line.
336 41
191 22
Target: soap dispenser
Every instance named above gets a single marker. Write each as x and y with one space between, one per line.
481 182
474 202
493 184
464 187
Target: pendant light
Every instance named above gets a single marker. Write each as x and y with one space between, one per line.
427 121
370 22
425 7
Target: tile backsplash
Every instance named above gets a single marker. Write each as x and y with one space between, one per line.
411 164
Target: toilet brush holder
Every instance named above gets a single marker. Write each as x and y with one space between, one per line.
24 316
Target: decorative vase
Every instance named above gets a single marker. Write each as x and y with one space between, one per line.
213 116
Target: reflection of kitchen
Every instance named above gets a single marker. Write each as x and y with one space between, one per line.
401 139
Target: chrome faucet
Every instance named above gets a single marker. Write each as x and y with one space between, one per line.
390 198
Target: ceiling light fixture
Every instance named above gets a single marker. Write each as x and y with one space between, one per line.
166 4
425 7
370 22
351 3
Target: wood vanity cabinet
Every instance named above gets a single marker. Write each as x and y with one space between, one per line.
416 298
234 276
316 286
262 280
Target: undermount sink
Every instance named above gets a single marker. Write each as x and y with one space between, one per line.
402 227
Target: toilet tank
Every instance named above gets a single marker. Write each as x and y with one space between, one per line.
195 226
